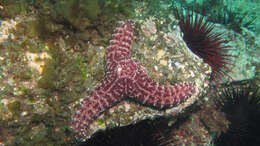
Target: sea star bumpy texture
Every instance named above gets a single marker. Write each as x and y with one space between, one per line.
125 77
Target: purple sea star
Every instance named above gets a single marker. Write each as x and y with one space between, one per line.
125 77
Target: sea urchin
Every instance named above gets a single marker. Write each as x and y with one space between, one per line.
143 133
241 106
206 44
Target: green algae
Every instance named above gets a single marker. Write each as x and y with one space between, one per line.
82 68
25 74
91 8
49 76
124 7
70 73
75 18
14 107
40 131
47 96
66 76
54 17
57 73
11 8
71 70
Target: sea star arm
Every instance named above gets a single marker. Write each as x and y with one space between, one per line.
104 96
120 44
158 95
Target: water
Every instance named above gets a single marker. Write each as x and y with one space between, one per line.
52 55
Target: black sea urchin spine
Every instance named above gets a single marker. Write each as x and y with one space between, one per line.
242 108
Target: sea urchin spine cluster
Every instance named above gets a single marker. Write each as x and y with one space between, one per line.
202 41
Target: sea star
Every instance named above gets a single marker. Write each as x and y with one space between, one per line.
125 77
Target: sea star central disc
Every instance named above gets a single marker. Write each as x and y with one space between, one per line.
125 77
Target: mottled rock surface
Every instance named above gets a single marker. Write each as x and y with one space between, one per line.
167 60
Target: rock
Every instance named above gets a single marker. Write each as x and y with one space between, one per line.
174 64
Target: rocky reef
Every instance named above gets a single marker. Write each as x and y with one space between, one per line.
52 56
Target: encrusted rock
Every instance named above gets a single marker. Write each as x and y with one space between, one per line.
165 63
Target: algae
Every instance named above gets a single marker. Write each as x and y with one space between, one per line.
76 42
14 107
11 8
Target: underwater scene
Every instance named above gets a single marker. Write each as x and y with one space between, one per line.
129 72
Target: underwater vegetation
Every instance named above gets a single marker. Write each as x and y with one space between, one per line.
34 93
241 104
204 42
11 8
54 18
52 55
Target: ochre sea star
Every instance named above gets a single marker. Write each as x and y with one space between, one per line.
125 77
